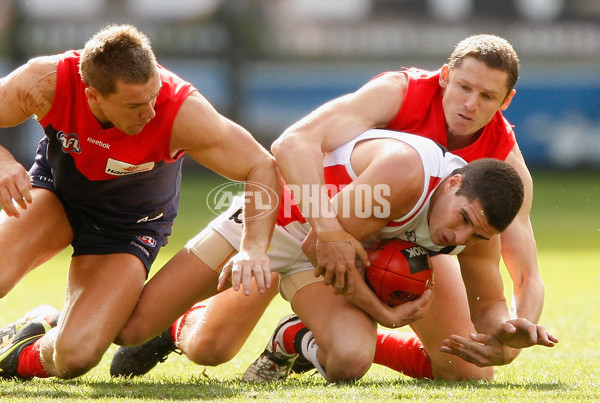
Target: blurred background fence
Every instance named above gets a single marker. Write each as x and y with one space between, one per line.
267 63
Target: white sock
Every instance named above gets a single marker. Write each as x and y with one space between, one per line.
309 351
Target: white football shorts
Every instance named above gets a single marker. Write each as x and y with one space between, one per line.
221 239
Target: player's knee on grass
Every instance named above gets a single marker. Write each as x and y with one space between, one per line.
209 345
205 352
455 369
348 364
73 359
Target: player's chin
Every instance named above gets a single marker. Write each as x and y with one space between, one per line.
134 129
439 240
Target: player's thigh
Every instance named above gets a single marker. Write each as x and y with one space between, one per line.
188 277
102 291
448 314
41 232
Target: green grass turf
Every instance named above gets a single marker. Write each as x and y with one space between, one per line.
566 219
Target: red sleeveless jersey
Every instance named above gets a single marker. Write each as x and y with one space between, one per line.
112 153
422 113
116 179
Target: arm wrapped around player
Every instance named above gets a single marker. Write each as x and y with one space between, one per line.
388 316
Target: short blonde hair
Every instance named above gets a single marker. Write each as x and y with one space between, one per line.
495 52
117 52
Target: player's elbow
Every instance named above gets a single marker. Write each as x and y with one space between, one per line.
291 142
279 146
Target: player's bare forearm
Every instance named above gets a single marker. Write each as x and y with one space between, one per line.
261 205
490 318
262 201
519 250
520 256
304 177
387 316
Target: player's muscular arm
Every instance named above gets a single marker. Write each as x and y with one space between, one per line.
299 150
500 338
27 91
480 272
391 194
519 251
217 143
378 190
299 155
480 269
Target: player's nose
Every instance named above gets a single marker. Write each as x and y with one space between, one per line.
471 102
148 112
462 235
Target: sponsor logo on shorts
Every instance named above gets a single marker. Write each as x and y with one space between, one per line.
147 240
137 245
261 198
153 217
70 142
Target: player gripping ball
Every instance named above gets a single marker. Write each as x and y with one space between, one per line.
400 271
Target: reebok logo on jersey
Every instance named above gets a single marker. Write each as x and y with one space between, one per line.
98 143
120 168
70 142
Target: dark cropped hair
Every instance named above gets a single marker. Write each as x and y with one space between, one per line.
497 53
117 52
498 188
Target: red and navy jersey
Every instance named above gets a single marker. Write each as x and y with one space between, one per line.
422 113
116 179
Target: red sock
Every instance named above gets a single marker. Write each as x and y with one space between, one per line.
30 362
178 324
289 338
402 352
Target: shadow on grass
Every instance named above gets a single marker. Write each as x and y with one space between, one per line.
150 389
461 385
203 388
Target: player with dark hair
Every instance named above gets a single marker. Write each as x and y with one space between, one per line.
417 187
106 180
459 106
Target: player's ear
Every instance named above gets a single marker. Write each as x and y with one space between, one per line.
508 100
92 94
454 182
444 74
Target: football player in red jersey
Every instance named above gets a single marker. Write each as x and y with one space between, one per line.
431 196
106 180
459 106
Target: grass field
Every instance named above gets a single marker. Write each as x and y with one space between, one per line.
566 219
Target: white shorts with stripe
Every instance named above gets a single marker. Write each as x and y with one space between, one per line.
220 240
